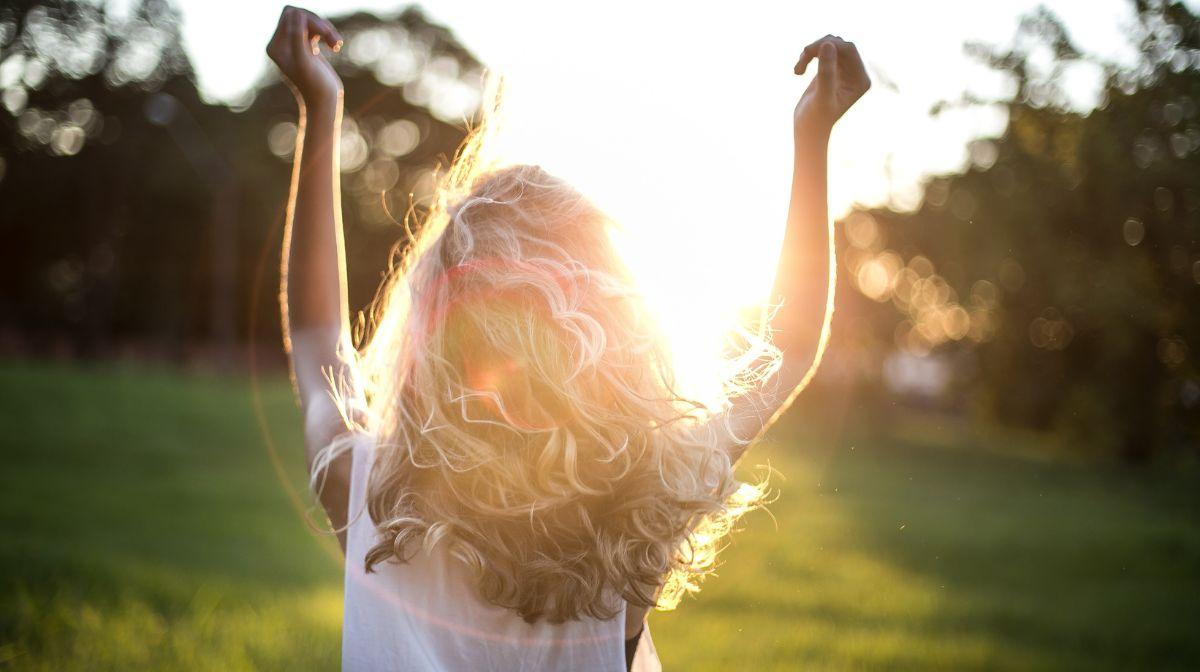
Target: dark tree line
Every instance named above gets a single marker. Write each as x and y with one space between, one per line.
1056 279
1059 275
134 214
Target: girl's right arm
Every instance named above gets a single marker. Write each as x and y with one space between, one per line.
313 298
804 277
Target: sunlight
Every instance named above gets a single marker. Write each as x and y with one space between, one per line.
683 135
696 313
700 236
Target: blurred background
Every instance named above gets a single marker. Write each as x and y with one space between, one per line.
998 466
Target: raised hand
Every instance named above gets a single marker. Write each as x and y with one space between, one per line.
841 80
295 48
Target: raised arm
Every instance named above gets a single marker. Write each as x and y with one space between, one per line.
804 278
313 276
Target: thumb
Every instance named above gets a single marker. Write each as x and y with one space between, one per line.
827 64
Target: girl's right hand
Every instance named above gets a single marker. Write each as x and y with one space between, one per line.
295 48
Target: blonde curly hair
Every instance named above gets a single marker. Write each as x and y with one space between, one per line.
525 409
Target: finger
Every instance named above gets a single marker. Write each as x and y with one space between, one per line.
332 36
316 26
810 52
339 41
297 35
827 64
849 58
805 57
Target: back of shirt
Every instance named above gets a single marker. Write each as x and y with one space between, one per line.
426 615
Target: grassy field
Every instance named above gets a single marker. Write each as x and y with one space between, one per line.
144 528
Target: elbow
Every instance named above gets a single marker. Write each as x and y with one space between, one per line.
802 350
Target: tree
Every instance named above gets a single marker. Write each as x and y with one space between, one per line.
135 213
1061 270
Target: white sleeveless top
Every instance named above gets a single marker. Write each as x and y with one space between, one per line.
425 615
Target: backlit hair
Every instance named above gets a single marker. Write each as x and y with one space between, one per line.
525 411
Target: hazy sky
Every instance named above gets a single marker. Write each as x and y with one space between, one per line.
676 116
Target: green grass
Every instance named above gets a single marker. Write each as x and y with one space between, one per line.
144 528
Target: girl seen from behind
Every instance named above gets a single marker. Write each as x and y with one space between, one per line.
514 478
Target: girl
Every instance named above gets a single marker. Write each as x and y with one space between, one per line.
513 478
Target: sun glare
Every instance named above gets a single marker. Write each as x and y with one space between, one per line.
696 315
682 134
701 239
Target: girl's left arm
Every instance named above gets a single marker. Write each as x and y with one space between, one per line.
316 323
804 277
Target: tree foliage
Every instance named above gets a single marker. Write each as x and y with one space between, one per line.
1052 283
1059 274
135 214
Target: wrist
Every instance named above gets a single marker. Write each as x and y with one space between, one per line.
322 109
811 134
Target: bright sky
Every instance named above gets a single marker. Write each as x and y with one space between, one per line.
675 117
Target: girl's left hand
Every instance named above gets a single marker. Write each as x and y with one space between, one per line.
841 80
